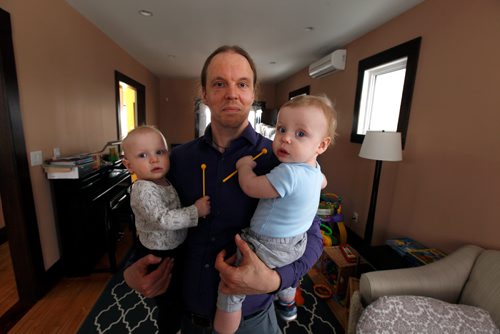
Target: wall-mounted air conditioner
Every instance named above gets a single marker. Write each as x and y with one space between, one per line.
329 64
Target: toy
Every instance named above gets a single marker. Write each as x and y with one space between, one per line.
203 167
322 291
328 238
264 151
330 212
348 253
299 299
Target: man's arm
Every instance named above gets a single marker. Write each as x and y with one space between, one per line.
252 276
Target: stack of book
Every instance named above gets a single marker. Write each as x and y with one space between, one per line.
414 252
71 167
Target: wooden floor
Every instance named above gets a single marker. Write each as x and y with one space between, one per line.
67 305
8 289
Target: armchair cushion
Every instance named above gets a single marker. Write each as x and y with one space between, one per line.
417 314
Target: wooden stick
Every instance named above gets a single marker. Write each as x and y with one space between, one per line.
264 151
203 167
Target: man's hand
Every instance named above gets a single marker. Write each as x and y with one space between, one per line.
252 277
149 284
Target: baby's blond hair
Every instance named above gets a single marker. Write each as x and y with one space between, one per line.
138 131
321 102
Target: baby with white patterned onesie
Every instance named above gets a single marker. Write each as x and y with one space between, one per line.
160 220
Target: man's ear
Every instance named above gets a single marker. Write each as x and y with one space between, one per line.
204 96
324 145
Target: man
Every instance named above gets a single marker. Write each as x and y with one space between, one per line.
228 81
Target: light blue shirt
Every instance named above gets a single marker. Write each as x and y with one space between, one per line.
291 214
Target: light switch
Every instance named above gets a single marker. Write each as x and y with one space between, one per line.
36 158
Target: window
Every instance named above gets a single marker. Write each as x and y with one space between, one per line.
384 91
298 92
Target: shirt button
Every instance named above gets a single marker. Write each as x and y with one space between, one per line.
206 265
212 239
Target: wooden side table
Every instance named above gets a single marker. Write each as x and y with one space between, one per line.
336 269
332 262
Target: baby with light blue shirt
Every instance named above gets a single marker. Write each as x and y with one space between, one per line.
289 197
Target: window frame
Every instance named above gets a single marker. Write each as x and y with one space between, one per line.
301 91
409 50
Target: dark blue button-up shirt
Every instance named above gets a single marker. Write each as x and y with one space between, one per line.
231 210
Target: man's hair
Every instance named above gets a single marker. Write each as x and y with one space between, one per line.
321 102
141 130
231 49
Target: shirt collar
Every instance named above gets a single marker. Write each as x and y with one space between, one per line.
248 134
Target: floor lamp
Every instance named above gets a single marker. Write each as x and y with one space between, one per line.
379 146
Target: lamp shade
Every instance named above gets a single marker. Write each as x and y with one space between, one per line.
381 145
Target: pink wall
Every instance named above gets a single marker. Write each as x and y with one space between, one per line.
446 191
177 102
65 69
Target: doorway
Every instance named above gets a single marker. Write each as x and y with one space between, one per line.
130 104
18 207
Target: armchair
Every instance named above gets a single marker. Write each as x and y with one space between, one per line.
469 276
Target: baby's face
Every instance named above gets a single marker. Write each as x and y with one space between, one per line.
147 156
301 134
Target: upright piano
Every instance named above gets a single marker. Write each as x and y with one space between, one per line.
86 216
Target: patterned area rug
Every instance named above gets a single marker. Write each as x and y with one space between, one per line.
121 310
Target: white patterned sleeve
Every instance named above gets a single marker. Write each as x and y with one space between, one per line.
161 210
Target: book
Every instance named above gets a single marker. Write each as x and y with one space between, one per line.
72 160
403 245
55 171
414 252
425 256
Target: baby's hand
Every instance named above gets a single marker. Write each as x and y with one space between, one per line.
246 161
203 206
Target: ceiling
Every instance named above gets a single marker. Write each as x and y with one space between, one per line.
282 36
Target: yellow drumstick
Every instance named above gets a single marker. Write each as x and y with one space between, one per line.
203 167
264 151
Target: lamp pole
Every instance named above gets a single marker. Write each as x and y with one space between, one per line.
373 204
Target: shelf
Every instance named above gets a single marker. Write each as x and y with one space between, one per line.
338 310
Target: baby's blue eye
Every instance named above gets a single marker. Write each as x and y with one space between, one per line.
142 155
281 129
161 152
300 134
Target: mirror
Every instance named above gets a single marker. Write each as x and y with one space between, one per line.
384 90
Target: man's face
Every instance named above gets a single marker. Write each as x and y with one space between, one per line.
229 91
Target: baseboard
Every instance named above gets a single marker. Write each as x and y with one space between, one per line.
13 315
54 274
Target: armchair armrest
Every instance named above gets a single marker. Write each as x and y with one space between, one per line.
443 279
355 311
